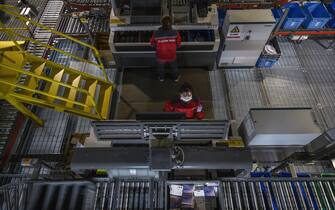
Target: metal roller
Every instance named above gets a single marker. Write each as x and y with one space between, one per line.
268 195
330 194
141 196
321 192
245 196
230 200
292 195
121 194
272 186
147 197
283 195
237 195
260 198
314 193
99 195
135 195
226 195
132 195
111 195
126 196
301 203
225 203
288 196
253 195
309 198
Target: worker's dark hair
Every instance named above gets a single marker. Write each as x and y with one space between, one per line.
186 87
167 23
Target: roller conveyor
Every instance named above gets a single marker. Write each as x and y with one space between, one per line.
278 194
91 2
139 195
73 26
242 193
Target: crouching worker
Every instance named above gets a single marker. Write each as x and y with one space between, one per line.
186 103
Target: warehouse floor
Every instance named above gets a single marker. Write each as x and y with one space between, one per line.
303 77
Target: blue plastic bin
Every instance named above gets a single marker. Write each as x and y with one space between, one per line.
260 174
317 15
267 61
331 10
295 16
277 14
221 15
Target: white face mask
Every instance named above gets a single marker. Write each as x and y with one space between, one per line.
186 98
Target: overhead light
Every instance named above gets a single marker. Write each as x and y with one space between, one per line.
25 11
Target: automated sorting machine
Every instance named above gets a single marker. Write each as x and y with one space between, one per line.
133 22
161 146
271 137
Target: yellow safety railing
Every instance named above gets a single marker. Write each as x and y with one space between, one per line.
28 79
64 89
12 32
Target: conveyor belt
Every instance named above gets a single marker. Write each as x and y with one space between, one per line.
275 194
247 193
129 194
101 194
13 23
73 26
91 2
49 18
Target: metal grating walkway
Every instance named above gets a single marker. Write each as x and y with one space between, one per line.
319 66
46 140
302 77
8 114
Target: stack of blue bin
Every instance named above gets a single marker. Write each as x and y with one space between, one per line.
295 16
331 10
317 15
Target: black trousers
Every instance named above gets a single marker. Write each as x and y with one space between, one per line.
161 69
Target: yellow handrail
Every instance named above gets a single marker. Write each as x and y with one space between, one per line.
16 14
48 80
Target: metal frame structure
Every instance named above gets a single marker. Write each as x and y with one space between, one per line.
137 132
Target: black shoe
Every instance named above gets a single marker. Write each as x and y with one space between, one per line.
161 79
177 78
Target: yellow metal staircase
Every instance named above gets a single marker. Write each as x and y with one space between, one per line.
28 79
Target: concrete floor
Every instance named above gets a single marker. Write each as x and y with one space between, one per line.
142 92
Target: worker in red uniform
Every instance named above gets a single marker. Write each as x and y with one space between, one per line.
166 41
186 103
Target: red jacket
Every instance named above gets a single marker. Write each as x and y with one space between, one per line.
192 109
166 44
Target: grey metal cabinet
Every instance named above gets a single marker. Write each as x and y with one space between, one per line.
244 35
